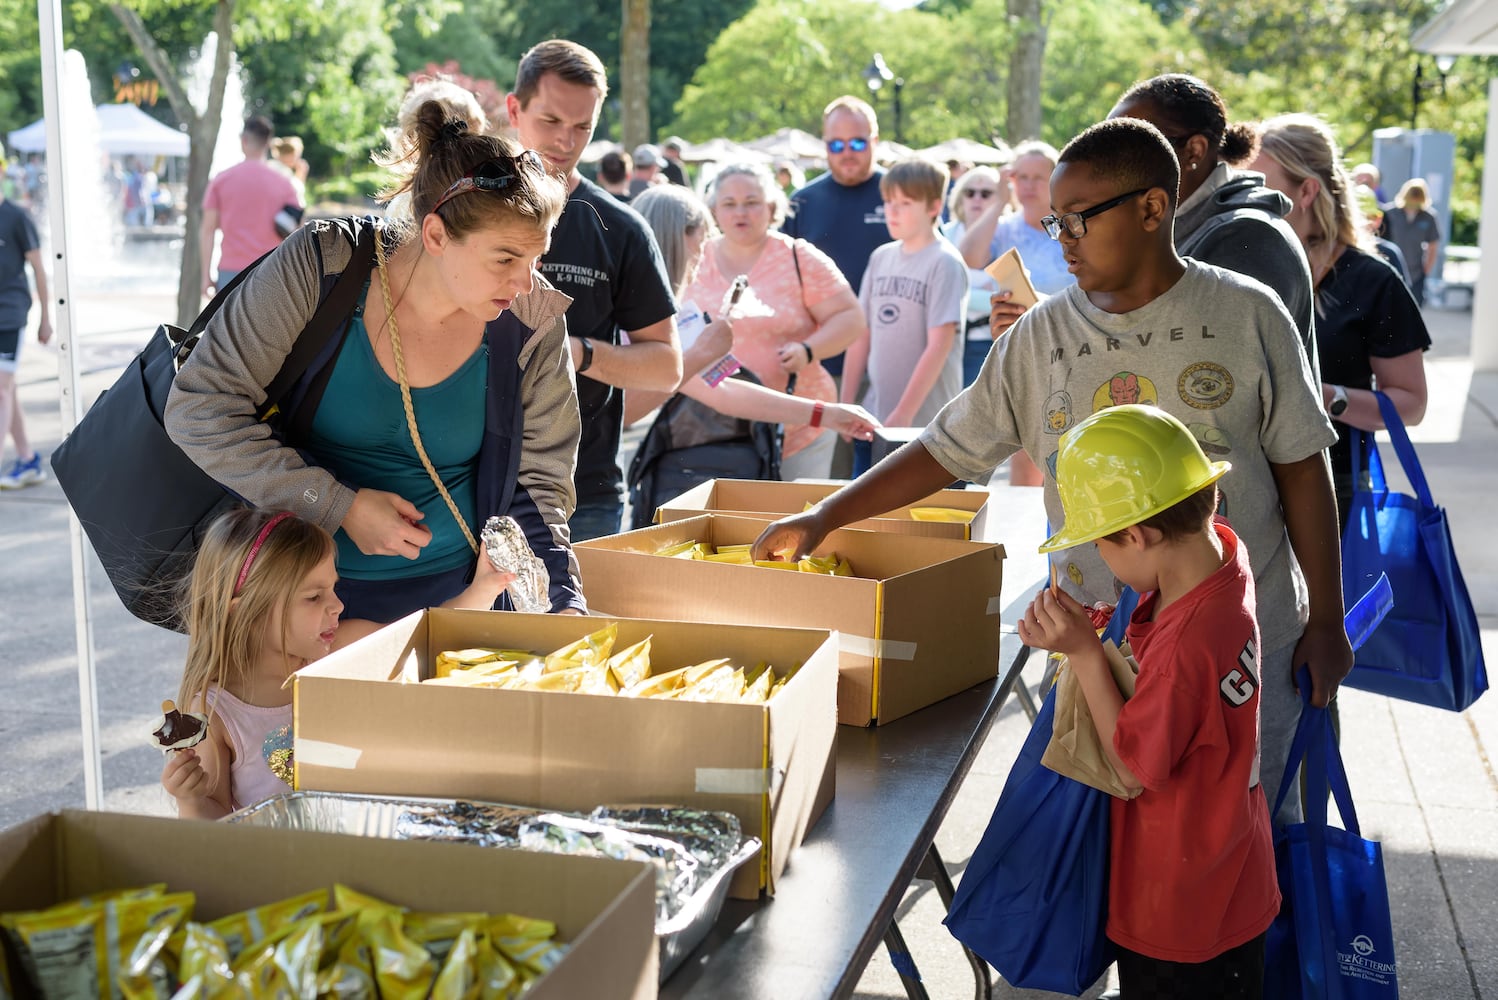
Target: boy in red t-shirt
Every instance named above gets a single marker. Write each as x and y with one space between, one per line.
1192 883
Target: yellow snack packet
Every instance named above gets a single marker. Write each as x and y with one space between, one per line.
777 564
286 963
403 969
758 689
950 515
723 684
631 665
657 685
527 942
240 930
202 963
82 949
587 651
676 549
347 967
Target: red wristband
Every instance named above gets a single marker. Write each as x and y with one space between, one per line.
816 413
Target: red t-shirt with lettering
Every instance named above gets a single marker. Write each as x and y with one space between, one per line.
1192 856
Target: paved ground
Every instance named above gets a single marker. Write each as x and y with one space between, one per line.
1423 779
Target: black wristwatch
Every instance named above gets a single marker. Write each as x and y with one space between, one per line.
587 361
1338 405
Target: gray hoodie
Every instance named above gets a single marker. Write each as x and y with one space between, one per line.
1234 221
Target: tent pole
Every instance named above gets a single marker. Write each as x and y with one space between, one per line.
49 15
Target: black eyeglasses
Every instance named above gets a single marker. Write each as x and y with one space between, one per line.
1075 223
838 145
492 175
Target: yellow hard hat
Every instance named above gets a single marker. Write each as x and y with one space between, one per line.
1123 465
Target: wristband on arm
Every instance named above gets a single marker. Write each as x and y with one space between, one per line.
807 348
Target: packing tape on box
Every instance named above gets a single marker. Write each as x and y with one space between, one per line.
319 753
881 649
738 780
994 607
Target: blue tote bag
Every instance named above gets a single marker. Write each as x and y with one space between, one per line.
1333 938
1429 650
1033 902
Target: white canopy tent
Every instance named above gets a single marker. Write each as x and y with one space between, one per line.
124 130
1470 27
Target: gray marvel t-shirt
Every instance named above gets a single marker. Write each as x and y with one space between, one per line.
903 295
1218 351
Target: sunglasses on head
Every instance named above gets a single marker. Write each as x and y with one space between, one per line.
492 175
838 145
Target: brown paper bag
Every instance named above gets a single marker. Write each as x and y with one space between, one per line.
1076 749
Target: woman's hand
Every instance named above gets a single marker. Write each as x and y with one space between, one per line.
715 340
385 524
850 420
794 357
1058 622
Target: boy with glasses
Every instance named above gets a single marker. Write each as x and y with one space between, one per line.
1213 348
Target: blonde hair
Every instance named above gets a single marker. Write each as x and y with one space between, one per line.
672 212
226 630
982 172
437 148
1304 147
760 173
917 179
1414 186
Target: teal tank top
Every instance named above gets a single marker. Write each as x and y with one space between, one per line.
360 434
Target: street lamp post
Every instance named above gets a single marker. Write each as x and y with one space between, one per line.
876 74
1419 85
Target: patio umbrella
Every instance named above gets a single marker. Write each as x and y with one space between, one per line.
969 151
790 144
722 151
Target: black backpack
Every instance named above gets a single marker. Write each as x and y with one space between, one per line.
690 443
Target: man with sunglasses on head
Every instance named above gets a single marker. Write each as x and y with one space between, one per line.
841 213
603 255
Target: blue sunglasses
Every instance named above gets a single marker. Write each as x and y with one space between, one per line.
838 145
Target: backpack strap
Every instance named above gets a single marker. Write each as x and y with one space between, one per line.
331 313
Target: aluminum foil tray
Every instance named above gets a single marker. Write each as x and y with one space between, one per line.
492 825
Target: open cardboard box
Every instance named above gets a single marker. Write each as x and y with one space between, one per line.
603 909
362 725
918 622
767 498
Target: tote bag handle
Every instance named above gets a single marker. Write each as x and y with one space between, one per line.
1402 448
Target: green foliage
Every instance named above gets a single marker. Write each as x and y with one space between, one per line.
358 187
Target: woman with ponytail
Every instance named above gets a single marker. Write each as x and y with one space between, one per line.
444 398
1369 330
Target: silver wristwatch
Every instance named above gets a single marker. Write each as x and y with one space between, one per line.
1338 404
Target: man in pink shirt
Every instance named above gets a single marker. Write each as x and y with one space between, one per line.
243 202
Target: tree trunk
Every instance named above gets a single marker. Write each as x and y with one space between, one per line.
634 73
1025 70
202 133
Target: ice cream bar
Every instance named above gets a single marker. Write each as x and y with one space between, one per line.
178 730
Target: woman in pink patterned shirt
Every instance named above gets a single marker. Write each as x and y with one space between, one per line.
798 308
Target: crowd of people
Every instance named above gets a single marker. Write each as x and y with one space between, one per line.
1209 289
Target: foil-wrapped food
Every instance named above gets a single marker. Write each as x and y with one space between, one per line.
504 541
471 822
677 873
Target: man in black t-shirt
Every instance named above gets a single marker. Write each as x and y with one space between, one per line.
604 256
19 246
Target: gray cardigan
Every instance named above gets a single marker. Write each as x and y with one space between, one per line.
211 411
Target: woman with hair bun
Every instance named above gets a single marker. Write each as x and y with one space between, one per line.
1224 216
445 397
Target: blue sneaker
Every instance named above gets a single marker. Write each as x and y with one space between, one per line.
21 473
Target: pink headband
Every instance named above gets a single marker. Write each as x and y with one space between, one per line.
249 560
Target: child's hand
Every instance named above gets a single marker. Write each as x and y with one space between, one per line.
1058 622
183 775
489 581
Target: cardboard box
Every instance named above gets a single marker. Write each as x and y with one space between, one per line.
604 909
919 622
361 726
764 498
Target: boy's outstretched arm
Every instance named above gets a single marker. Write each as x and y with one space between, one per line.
1310 511
902 478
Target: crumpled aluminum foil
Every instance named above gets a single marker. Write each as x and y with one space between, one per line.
677 873
504 541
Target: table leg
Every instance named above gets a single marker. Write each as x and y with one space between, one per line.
934 870
899 956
